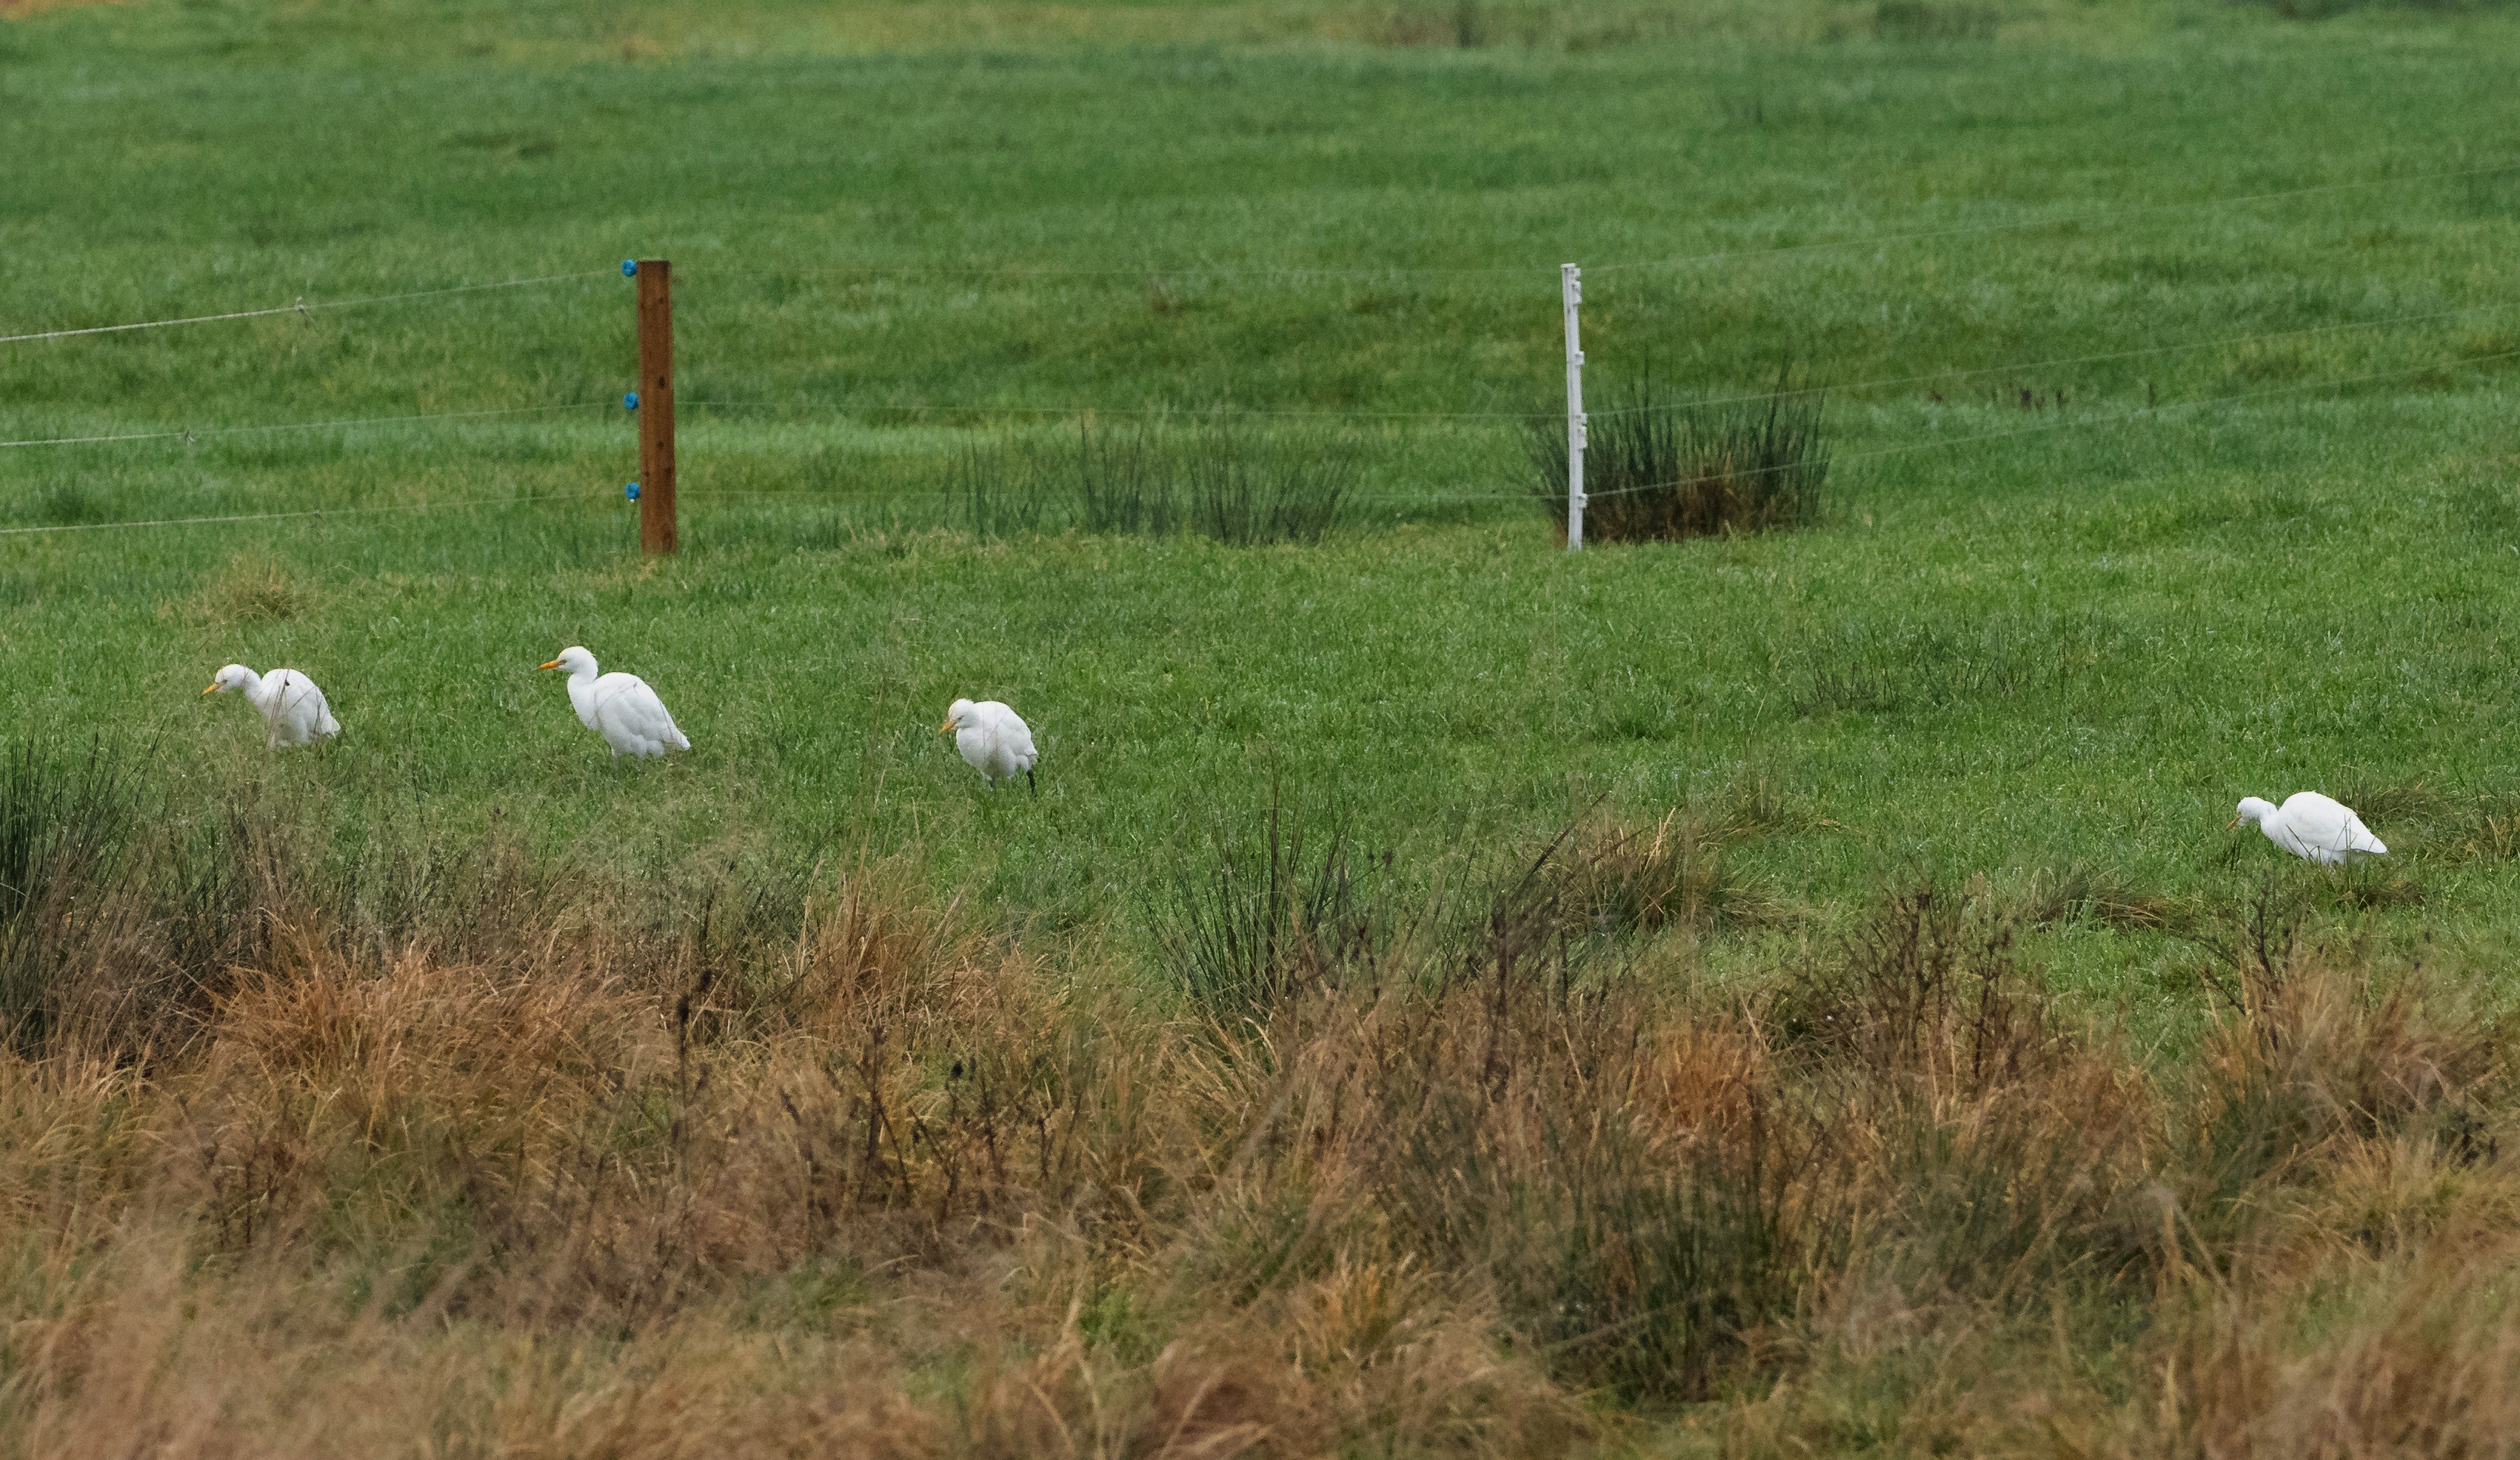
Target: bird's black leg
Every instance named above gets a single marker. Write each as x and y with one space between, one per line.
1036 785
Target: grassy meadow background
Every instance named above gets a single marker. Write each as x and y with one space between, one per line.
2168 346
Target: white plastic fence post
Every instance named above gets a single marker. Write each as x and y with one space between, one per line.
1573 278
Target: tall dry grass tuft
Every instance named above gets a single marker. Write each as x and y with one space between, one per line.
1973 1144
125 915
2345 1229
1482 1123
740 1172
2318 1065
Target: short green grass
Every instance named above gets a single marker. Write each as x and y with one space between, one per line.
2111 551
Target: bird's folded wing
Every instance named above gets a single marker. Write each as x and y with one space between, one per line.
2321 828
636 709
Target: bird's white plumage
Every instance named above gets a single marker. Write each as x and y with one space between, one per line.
619 707
2314 827
993 738
294 711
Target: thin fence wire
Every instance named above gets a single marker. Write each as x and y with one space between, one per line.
1172 270
687 491
1439 499
1188 411
300 307
2019 366
2055 221
1180 269
1184 411
189 435
319 511
2077 422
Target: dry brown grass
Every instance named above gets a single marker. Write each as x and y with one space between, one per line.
555 1177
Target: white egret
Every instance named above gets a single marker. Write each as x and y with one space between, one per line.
619 707
293 712
2314 827
994 740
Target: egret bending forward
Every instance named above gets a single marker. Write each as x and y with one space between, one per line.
294 711
994 740
2313 827
619 707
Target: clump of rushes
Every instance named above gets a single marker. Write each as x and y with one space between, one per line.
1216 477
1122 487
63 823
1277 912
999 489
1660 467
1246 492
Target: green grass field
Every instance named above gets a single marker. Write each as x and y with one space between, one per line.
2081 641
2170 349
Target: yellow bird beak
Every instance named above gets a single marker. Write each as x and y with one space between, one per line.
2235 820
942 729
554 664
213 690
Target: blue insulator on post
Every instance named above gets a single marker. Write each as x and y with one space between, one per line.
629 268
631 491
630 402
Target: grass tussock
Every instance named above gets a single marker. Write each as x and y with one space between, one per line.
2090 894
2493 832
250 588
839 1172
1616 876
1661 467
1278 909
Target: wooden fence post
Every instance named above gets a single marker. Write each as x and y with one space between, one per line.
656 278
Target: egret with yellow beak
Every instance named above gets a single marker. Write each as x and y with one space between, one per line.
2313 827
619 707
293 712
